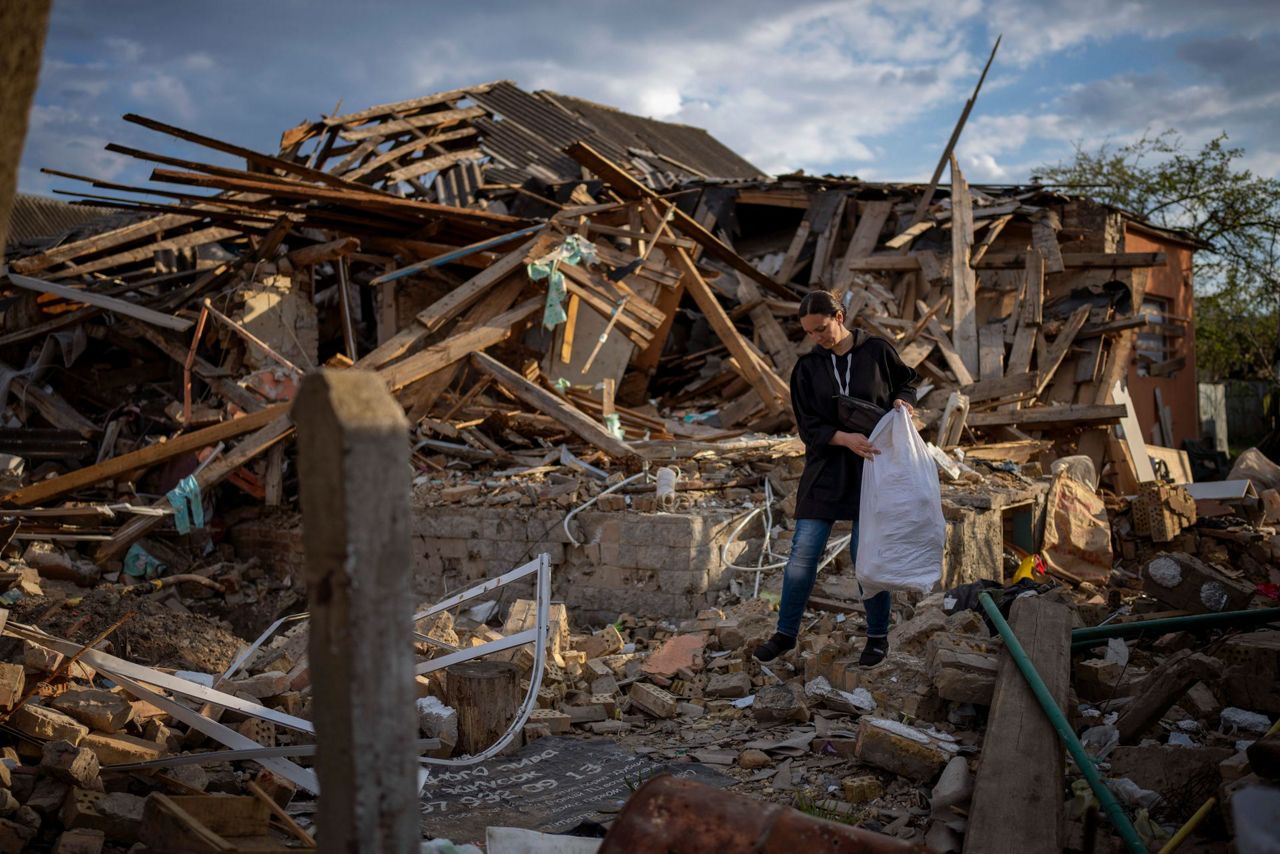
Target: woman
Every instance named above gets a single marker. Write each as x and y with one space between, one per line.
860 366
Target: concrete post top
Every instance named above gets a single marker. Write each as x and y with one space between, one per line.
354 398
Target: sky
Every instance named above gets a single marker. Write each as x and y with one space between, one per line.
860 87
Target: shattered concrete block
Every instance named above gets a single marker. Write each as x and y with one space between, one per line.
14 836
860 789
608 701
607 641
962 675
1190 772
267 684
436 720
728 685
953 789
778 703
1252 678
120 749
676 653
609 727
13 681
1187 583
48 796
101 710
913 635
586 714
118 815
605 685
63 761
80 841
900 683
902 749
558 722
652 700
1098 680
1243 722
47 725
263 732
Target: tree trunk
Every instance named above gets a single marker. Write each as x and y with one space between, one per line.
486 696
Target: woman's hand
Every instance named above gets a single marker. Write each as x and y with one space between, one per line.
902 404
855 442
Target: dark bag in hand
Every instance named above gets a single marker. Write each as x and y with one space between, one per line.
857 416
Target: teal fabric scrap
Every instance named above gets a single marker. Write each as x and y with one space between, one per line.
575 251
140 563
188 509
613 424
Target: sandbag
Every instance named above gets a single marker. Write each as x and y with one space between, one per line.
901 531
1077 534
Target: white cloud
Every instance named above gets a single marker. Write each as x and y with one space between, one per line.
163 94
126 51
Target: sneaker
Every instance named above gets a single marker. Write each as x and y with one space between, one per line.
774 647
874 652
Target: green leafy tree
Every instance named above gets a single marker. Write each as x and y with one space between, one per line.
1234 212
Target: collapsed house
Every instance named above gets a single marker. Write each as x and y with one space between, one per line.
589 320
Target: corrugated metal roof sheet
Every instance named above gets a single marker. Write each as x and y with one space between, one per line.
35 217
685 144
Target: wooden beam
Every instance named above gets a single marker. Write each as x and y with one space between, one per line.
1039 416
702 294
1005 386
456 347
446 308
949 354
1078 260
630 188
111 304
991 350
865 236
47 490
964 300
353 474
547 403
1057 351
219 470
99 242
1021 752
437 119
200 237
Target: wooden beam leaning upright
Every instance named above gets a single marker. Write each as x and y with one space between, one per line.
964 301
630 188
752 370
353 465
1021 752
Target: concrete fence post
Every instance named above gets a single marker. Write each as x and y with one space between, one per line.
354 482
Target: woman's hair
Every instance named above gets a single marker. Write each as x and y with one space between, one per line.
819 302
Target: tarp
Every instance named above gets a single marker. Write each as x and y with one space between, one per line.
551 785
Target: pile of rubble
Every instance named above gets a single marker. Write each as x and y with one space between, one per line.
581 312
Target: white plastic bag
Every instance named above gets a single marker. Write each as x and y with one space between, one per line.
901 530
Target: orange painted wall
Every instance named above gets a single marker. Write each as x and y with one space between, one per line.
1179 392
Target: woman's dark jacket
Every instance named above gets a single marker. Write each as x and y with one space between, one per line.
832 480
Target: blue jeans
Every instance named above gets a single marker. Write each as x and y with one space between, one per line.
807 546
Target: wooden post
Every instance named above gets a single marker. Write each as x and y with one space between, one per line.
964 304
1020 774
486 696
353 464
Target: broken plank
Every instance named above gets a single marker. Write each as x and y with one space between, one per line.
702 294
630 188
182 241
446 308
949 353
111 304
99 242
437 119
548 404
865 236
991 350
47 490
1006 386
964 317
214 473
1038 416
50 405
788 268
1021 752
1057 351
1078 260
458 346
